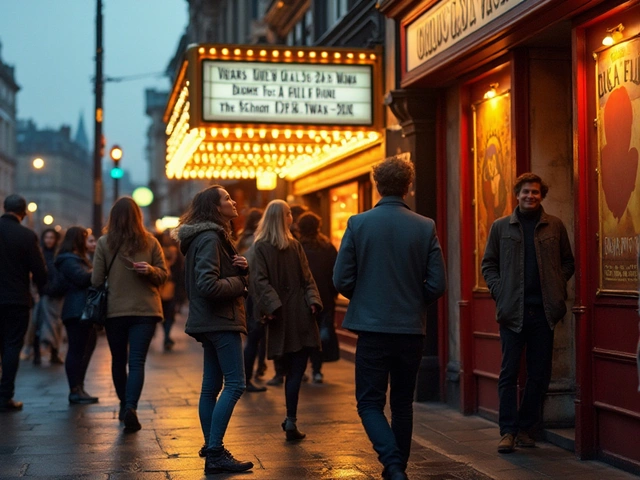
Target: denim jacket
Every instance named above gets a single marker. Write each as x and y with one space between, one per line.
503 268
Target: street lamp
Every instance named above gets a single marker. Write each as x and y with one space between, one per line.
38 163
48 219
116 171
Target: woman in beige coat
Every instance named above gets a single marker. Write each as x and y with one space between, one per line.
287 298
134 304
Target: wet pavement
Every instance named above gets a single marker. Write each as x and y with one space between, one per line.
49 439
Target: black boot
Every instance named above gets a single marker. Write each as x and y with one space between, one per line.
290 428
78 396
220 460
131 423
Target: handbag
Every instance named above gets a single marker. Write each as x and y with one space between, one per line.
95 307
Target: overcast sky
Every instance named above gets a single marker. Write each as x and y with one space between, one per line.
51 44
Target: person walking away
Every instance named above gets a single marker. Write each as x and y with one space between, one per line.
216 282
20 257
46 313
168 295
390 266
287 298
74 265
255 337
134 305
321 255
526 265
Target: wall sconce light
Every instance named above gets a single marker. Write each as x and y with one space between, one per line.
614 35
492 92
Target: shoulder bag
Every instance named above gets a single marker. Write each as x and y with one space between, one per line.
95 308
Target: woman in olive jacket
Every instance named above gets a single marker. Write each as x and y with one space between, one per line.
287 298
133 305
216 283
74 266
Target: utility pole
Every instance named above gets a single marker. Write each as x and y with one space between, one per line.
98 141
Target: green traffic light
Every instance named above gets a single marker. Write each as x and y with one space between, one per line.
117 172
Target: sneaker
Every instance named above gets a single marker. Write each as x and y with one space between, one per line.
507 443
10 405
253 388
276 380
317 377
523 439
131 423
220 460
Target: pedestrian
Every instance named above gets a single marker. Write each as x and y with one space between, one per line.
168 290
287 298
255 328
526 265
46 312
20 257
321 255
390 267
134 305
216 282
74 265
91 246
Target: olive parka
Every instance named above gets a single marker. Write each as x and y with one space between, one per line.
282 285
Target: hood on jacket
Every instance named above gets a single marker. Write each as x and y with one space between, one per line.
186 234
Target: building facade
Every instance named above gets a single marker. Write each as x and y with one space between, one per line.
58 186
8 94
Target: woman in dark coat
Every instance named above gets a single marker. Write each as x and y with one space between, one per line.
73 264
216 282
287 298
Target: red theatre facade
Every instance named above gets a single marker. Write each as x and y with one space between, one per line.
490 89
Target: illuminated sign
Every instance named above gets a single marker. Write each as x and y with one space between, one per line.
447 23
286 93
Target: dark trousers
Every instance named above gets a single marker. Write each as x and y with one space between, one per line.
251 346
383 359
537 337
293 365
82 343
14 321
129 339
169 313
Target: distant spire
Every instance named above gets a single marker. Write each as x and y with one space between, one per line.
81 134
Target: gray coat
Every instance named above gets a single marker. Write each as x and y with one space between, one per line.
390 266
503 268
215 287
282 285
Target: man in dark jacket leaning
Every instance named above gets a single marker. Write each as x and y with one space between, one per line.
527 264
19 256
390 266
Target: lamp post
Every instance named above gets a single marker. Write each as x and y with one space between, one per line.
116 171
98 140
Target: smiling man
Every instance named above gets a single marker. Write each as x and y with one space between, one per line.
527 264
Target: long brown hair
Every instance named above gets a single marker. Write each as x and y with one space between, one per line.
204 208
125 227
74 241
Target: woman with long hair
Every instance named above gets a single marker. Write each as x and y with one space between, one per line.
74 266
134 306
216 283
287 298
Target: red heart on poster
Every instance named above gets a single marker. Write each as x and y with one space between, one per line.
619 163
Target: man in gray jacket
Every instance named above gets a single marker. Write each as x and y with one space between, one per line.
527 264
390 266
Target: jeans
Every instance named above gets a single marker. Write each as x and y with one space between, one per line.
293 366
82 342
222 361
383 359
538 338
256 334
14 321
129 339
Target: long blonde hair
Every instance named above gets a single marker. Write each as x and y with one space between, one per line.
272 227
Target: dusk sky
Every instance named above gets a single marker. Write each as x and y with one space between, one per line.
51 44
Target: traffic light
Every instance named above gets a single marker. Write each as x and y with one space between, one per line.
117 173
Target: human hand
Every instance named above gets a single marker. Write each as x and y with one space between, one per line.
142 268
314 309
240 262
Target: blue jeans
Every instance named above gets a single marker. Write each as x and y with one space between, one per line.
538 338
129 339
222 361
82 342
14 320
383 358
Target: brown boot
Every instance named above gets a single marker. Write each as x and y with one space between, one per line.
507 443
523 439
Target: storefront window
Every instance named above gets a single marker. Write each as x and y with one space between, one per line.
344 203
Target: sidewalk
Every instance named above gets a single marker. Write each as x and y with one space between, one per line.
49 439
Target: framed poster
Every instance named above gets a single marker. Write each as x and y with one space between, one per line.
493 170
618 107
